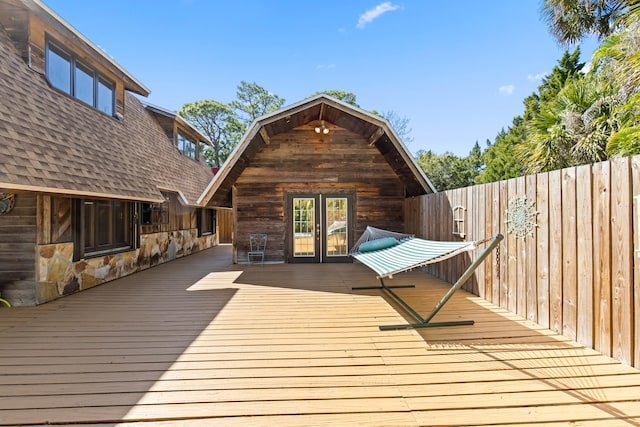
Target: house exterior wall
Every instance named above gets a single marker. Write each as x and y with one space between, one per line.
37 262
17 254
80 176
301 161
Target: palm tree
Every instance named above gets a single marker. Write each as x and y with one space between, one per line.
573 128
618 57
571 20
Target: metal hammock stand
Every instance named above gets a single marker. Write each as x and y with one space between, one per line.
377 250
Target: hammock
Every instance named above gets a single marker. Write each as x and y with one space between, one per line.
391 256
388 253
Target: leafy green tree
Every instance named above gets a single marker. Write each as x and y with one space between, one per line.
217 122
348 97
571 20
447 171
499 158
475 163
569 67
254 101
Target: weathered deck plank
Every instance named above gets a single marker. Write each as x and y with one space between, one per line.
198 342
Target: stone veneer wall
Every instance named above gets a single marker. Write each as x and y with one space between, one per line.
58 275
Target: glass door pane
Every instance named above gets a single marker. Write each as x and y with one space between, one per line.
304 228
336 243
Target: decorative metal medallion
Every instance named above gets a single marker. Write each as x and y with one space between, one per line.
7 201
521 217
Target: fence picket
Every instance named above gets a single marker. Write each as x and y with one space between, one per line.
584 223
622 284
496 228
635 173
602 257
530 250
542 252
555 251
569 255
521 259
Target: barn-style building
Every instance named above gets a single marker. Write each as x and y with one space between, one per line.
313 176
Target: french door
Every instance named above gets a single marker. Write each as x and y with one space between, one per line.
319 227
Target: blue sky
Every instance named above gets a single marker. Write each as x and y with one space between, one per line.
458 70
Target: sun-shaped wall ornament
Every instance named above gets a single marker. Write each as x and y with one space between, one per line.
521 217
7 200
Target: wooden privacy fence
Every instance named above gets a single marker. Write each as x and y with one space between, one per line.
576 273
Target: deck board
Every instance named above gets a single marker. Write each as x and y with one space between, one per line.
200 342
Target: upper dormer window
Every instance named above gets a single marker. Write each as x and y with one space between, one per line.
66 73
187 146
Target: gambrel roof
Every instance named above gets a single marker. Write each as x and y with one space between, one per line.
373 128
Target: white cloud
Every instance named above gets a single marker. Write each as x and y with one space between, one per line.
376 12
506 90
325 66
535 77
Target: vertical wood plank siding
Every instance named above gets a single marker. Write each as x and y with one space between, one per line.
578 274
224 222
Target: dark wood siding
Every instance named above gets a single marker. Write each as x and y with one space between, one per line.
302 161
17 253
180 218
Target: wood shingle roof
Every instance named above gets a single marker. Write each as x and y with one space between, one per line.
50 142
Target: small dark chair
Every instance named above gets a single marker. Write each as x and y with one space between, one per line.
257 246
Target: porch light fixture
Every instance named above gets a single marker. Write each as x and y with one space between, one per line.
321 128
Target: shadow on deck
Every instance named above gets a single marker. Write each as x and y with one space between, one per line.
201 342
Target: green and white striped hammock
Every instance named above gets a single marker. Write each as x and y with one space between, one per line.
390 258
388 253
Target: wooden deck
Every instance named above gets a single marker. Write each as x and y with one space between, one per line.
199 342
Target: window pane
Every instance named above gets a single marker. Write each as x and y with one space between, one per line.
208 219
83 85
107 225
103 223
105 98
89 221
336 226
59 70
303 227
186 146
119 222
